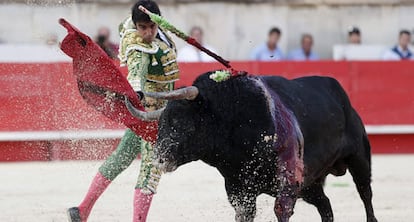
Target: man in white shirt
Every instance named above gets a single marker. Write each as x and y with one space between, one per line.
269 51
305 52
354 35
190 53
400 51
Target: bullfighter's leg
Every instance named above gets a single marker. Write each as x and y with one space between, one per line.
118 161
314 195
148 179
126 152
360 169
244 203
285 202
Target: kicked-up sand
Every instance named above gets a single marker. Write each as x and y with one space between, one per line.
41 191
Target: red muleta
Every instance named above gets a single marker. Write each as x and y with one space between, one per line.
101 83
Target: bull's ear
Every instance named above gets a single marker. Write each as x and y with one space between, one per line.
199 101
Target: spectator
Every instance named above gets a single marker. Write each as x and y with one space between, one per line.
103 40
353 49
400 51
269 51
190 53
354 35
305 52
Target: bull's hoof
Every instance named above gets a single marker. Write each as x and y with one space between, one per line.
372 219
327 219
282 219
73 214
244 219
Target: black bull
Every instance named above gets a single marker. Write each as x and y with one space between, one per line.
243 126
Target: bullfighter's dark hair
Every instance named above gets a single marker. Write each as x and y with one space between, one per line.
139 16
275 30
405 31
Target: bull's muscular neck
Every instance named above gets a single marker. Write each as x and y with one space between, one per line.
247 128
239 121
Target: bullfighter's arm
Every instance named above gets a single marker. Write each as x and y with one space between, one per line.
137 61
137 69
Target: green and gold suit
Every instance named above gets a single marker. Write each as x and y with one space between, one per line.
151 68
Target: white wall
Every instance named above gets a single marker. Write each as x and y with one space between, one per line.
234 29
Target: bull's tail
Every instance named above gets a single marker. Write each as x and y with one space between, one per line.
367 148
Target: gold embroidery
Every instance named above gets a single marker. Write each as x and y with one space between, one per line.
163 78
154 61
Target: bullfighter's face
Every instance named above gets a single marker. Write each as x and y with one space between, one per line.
177 135
147 31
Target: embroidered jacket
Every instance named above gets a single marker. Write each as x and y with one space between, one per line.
155 62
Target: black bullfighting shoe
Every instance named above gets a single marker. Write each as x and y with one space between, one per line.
73 214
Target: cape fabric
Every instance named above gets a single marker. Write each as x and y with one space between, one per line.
101 83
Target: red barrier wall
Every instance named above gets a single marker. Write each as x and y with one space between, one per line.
381 92
44 97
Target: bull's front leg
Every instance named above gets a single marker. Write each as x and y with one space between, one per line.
285 202
289 176
243 202
245 207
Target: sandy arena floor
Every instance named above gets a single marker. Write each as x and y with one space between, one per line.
41 191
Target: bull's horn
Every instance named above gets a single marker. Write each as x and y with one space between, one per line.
147 116
189 93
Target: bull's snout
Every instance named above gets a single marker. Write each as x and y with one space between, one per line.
164 162
164 165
